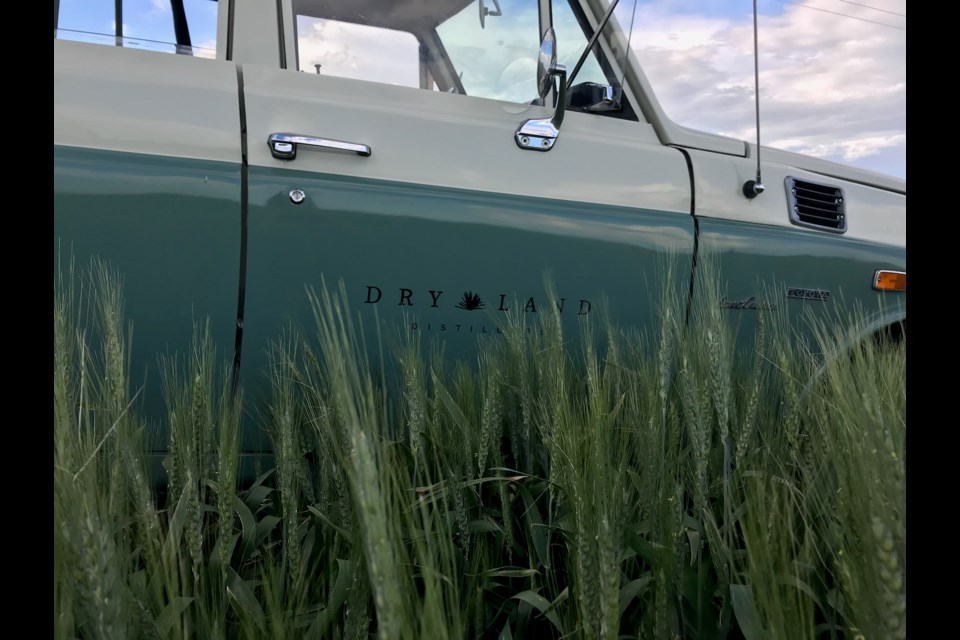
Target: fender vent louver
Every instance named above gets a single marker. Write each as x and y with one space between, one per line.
816 205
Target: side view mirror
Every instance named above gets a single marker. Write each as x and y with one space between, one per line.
484 12
540 134
546 62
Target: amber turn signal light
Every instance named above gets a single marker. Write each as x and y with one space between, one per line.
890 280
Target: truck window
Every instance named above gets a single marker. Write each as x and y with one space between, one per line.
596 86
358 51
437 47
186 27
444 46
499 59
571 40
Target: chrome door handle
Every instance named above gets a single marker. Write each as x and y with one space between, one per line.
284 145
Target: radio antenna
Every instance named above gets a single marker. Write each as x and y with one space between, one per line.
753 188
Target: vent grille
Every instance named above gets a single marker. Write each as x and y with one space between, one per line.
816 205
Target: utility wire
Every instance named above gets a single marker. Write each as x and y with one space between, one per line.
866 6
844 15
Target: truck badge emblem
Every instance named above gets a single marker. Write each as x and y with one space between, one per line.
749 303
808 294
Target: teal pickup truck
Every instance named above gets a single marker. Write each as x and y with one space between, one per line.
438 160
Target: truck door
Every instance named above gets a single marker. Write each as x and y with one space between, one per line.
147 158
409 186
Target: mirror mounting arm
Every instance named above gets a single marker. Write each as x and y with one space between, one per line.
540 134
561 73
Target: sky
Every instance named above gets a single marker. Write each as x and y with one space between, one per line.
830 85
832 72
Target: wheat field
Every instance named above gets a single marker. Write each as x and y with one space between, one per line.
644 485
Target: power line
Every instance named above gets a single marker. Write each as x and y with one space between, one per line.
866 6
843 15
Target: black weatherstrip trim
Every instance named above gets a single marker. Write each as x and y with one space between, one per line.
230 37
180 26
118 21
244 204
280 38
696 233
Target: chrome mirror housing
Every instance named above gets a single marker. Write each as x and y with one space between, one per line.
546 62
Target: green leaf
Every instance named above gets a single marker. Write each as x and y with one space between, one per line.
694 538
264 527
794 581
644 549
542 605
835 630
522 618
538 533
559 599
746 612
171 615
722 556
304 617
836 601
691 523
248 527
632 590
177 520
214 556
138 580
306 550
261 479
437 487
506 634
510 573
450 404
738 513
256 494
256 498
337 597
483 526
343 532
244 603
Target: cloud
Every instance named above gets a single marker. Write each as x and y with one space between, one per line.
113 27
206 49
849 150
830 86
356 51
